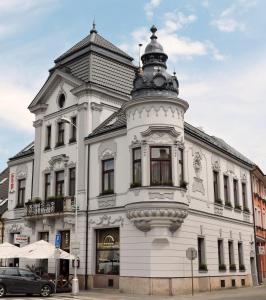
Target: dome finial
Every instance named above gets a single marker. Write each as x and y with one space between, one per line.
153 30
93 30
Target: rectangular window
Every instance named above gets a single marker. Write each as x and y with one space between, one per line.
73 137
60 134
72 181
231 255
226 190
47 186
44 236
59 183
181 166
107 251
216 186
108 176
236 200
201 254
244 195
160 166
221 254
240 256
21 192
48 137
136 166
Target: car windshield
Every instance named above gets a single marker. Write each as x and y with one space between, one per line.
27 274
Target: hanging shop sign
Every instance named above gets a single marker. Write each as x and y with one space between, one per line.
21 239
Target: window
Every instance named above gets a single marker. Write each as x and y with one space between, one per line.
231 256
201 254
11 272
27 274
47 186
236 200
72 181
136 166
61 100
21 192
226 190
108 176
48 137
181 166
244 195
216 186
222 266
44 236
107 251
73 137
240 257
60 134
160 166
59 183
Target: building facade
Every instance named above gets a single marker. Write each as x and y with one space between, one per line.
259 200
148 185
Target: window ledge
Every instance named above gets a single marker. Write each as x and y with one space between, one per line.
159 187
47 149
203 271
59 146
107 196
238 210
72 142
228 207
218 204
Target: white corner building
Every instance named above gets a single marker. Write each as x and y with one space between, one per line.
148 185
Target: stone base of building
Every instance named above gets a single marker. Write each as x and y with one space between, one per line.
180 286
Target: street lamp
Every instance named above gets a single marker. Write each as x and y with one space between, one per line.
75 281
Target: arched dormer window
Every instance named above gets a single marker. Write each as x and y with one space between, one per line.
61 100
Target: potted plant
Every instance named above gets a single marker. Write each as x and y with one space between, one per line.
203 267
242 268
37 200
29 202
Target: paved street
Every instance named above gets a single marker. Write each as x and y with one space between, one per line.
258 293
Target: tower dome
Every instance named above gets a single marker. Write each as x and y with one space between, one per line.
154 77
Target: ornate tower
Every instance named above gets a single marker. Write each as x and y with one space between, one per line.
155 131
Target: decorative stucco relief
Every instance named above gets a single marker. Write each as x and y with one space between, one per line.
198 185
58 162
14 228
106 202
216 163
106 220
243 175
158 195
147 110
218 210
21 172
107 150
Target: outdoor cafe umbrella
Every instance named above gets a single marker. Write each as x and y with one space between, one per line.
43 250
8 250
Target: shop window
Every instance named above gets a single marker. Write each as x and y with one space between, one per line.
107 251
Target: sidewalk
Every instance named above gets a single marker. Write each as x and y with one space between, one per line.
105 294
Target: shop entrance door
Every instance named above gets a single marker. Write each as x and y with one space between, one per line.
65 245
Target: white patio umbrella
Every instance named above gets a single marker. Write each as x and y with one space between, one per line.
43 250
8 250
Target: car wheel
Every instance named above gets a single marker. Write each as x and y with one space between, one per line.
46 291
2 290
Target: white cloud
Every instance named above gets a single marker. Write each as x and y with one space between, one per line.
177 20
230 19
231 106
150 6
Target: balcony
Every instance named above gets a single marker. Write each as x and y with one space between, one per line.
51 207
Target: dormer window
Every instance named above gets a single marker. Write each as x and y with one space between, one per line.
61 100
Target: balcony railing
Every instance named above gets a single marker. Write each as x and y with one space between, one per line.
53 206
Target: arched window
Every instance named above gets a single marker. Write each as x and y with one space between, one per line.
61 100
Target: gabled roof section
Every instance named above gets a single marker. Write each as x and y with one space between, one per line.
27 151
118 121
93 39
50 82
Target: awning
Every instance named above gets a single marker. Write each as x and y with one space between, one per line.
8 250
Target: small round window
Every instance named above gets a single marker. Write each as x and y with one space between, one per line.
61 100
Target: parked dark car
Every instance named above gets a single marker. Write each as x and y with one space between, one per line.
21 281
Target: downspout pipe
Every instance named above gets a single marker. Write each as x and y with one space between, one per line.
87 220
255 235
31 192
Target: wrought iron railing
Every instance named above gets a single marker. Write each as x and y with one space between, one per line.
54 206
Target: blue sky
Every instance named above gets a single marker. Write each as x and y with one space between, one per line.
217 48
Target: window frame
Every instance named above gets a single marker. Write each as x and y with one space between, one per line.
202 262
236 192
21 193
244 194
226 189
73 137
47 185
134 162
59 182
60 134
48 137
72 180
161 160
220 245
216 188
181 166
109 190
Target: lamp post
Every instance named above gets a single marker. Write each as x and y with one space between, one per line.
75 281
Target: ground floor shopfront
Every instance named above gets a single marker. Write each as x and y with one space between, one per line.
115 254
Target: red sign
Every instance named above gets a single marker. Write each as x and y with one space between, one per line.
12 182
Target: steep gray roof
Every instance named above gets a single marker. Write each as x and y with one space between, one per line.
94 39
118 121
27 151
4 182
